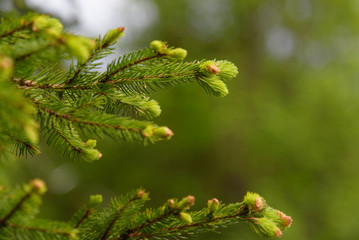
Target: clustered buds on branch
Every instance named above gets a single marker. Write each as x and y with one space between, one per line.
81 101
264 220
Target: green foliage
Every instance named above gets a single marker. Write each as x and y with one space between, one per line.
37 93
84 101
124 217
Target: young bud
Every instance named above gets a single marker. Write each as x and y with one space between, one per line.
178 54
95 200
286 221
170 203
209 67
186 202
163 132
278 232
158 46
212 205
185 217
92 155
148 131
264 227
218 87
142 194
282 221
31 133
254 202
38 185
91 143
79 46
52 26
228 70
113 35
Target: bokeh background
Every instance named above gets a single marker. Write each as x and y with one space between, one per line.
289 129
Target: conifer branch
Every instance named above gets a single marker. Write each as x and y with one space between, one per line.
14 209
43 230
28 54
110 75
31 148
94 103
84 217
75 148
118 215
75 119
20 28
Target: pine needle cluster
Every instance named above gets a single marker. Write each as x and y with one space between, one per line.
39 96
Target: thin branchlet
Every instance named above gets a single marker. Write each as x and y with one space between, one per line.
110 75
39 229
22 27
179 228
120 211
79 150
3 221
72 118
84 217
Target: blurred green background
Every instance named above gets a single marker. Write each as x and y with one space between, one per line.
288 130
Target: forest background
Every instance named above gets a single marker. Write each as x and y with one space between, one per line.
288 129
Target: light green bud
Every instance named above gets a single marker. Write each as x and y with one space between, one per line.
31 133
142 194
153 108
79 46
186 202
114 35
282 221
157 45
218 87
177 54
52 26
163 132
209 67
148 131
212 205
92 155
265 227
170 203
185 217
95 200
91 143
254 202
228 70
38 185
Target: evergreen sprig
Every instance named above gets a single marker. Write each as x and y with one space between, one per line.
39 95
82 101
124 217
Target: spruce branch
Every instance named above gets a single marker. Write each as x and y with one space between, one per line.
107 41
82 101
56 231
35 187
14 209
85 212
23 26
